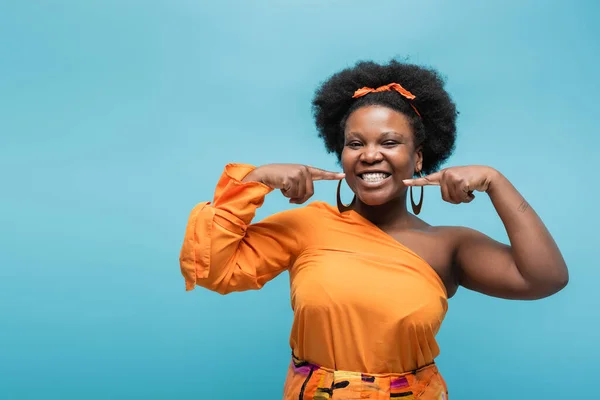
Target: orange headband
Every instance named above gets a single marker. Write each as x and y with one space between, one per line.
387 88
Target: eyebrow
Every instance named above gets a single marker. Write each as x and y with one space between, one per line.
386 133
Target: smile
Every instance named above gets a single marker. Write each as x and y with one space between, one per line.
374 178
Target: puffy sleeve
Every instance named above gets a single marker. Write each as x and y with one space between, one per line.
224 251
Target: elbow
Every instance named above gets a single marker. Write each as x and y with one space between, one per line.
557 286
553 285
562 281
562 277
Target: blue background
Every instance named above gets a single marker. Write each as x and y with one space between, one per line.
117 117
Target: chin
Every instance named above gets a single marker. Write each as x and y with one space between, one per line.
374 200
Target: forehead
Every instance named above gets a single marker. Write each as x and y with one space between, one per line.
376 120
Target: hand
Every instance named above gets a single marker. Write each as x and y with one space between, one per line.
294 180
458 183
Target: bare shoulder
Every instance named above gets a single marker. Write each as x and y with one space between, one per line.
437 245
441 245
454 234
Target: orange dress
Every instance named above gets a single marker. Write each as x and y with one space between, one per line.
361 300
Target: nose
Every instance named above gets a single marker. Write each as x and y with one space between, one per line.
371 155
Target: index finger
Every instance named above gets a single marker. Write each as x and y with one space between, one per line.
318 174
429 180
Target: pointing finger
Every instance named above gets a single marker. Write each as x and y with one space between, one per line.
433 179
318 174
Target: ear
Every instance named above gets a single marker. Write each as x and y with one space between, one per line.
418 159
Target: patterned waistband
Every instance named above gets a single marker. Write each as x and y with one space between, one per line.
301 364
311 381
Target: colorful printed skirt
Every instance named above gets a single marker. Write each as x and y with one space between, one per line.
306 381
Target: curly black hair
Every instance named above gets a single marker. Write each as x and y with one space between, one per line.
435 130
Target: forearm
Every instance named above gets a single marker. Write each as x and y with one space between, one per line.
207 256
210 253
535 252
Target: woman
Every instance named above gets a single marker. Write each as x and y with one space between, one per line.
370 280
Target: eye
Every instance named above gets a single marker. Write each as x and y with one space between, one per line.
390 143
354 144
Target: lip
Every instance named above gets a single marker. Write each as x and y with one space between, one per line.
373 171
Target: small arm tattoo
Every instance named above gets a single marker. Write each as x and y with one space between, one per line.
523 207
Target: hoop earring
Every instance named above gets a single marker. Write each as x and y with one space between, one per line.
341 206
416 207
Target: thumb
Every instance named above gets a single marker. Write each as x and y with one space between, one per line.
432 179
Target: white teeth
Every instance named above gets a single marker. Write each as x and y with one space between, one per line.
374 176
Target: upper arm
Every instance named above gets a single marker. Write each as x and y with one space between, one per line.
270 246
487 266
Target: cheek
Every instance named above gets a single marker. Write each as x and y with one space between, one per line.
401 158
346 161
348 166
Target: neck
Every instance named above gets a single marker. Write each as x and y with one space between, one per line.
391 215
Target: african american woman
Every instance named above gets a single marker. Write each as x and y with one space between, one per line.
370 280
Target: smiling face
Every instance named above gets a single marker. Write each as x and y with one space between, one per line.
379 152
